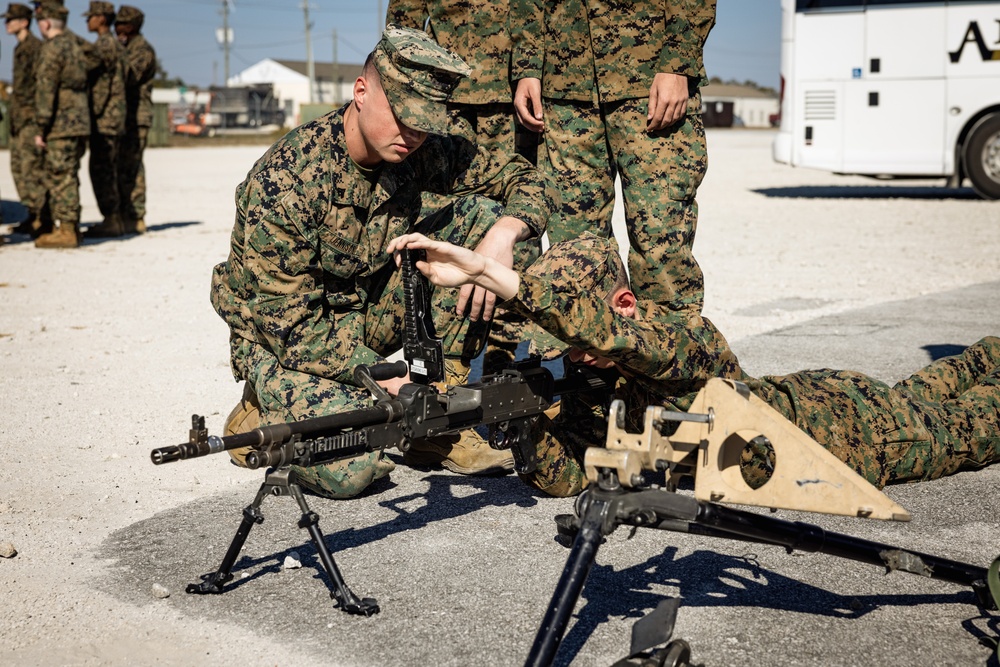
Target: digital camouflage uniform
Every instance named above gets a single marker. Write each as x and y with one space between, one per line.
942 419
62 117
309 291
107 104
140 68
26 160
478 33
596 60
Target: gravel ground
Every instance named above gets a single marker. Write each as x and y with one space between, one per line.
105 352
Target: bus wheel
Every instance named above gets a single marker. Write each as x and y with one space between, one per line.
982 157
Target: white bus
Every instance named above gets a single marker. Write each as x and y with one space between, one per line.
892 88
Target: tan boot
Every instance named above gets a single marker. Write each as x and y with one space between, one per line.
244 418
134 226
63 236
466 453
112 227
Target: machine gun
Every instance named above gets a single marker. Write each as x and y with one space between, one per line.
507 402
707 444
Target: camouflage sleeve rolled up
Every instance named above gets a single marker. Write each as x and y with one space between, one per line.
672 347
140 68
458 167
476 31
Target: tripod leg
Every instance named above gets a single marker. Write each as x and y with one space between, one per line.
349 602
214 581
567 593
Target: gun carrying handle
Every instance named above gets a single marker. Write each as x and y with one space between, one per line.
380 372
370 376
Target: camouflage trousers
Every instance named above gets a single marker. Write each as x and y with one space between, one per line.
132 174
62 177
27 165
104 172
276 394
942 419
587 145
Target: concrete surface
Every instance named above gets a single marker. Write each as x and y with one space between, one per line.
106 351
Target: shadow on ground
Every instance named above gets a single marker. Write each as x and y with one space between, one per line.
868 192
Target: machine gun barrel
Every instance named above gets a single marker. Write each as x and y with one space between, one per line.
201 444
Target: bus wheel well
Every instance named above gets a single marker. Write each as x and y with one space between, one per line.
980 155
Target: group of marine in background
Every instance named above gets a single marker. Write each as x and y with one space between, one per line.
70 95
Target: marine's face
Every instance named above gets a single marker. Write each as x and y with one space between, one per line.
578 356
124 32
15 26
94 22
386 139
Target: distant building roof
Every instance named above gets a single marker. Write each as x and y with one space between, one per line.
345 71
731 90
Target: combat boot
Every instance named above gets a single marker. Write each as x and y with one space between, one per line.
63 236
112 227
466 453
134 226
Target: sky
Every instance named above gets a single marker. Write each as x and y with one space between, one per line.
745 43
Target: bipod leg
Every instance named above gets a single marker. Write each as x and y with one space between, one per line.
214 581
349 602
593 528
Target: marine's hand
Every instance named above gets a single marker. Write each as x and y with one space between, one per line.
668 97
447 265
498 245
528 103
39 141
450 265
392 385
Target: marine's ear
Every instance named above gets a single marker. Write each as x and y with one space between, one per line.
623 302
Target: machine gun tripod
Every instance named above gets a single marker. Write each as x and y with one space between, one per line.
709 445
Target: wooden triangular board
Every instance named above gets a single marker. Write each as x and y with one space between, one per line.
806 476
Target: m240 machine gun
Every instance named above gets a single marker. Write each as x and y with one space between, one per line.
507 402
707 444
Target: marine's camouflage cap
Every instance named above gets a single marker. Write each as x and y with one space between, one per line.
418 76
17 11
131 15
49 9
100 9
588 263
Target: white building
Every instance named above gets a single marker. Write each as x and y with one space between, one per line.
291 83
751 107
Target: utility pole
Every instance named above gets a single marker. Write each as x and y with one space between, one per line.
380 21
310 65
225 40
335 75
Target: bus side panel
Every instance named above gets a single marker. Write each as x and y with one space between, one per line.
814 135
894 127
905 42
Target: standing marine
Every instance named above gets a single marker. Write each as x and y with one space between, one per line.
107 109
615 87
62 116
140 68
26 163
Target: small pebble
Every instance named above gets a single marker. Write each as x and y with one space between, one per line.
292 561
7 550
160 591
